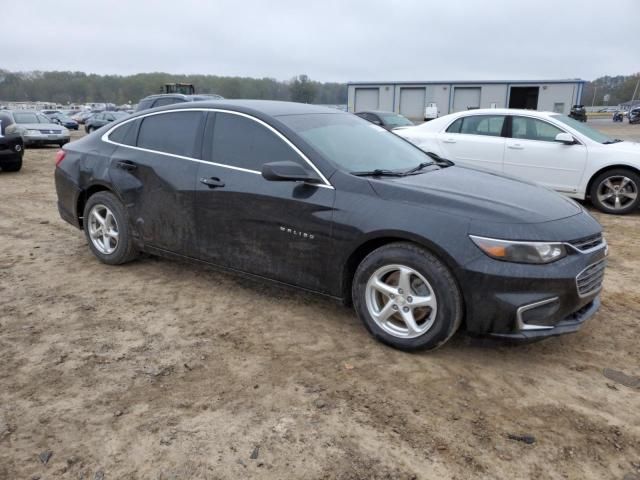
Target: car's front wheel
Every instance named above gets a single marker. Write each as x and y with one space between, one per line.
107 229
406 297
616 191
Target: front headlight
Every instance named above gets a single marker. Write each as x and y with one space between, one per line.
520 252
33 132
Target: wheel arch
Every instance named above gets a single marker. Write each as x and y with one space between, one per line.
85 194
375 241
594 175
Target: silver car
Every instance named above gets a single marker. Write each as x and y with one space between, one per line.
37 129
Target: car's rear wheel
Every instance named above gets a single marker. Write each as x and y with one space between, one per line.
616 191
406 297
107 229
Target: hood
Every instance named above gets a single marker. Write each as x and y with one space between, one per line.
478 195
632 148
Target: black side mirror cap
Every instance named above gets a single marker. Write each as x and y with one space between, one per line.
287 172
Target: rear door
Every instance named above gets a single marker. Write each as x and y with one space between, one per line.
279 230
154 172
533 154
475 141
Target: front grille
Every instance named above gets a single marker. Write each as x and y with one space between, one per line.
590 279
588 243
51 131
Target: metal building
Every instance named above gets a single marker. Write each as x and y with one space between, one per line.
411 98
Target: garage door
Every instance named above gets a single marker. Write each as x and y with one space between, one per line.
465 98
367 99
412 103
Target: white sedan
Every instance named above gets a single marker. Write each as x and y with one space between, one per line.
543 147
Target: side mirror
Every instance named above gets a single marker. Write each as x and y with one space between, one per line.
565 138
287 172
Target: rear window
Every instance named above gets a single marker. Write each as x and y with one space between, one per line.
174 132
124 134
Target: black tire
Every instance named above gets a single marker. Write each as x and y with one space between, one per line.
612 174
449 299
12 166
125 250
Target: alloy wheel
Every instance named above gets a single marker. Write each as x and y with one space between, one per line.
103 229
617 192
401 301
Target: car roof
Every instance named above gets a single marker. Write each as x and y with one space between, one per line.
271 108
378 112
505 111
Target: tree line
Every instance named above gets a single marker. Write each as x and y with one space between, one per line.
620 88
79 87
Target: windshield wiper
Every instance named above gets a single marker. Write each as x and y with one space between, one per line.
615 140
419 167
443 162
378 172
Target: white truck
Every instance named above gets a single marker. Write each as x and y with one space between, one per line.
431 112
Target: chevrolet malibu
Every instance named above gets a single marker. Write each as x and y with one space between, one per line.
325 201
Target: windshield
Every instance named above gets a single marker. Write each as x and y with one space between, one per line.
26 118
355 144
396 120
589 132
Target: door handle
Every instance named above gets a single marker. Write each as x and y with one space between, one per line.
212 182
126 165
516 146
449 140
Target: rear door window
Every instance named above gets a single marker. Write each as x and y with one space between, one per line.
455 126
489 125
244 143
125 134
176 133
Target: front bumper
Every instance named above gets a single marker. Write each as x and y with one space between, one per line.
570 324
528 302
45 139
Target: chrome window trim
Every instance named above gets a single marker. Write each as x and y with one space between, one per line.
520 325
105 138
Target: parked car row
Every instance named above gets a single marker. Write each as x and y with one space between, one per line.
323 200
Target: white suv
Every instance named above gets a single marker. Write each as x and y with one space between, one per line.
544 147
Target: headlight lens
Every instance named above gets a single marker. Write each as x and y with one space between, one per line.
520 252
33 132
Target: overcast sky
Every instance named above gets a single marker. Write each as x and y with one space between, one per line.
329 40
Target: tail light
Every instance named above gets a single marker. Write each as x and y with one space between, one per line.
60 157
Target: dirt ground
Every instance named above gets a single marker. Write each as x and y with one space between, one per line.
165 370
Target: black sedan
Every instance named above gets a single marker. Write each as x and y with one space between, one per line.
316 198
64 120
100 119
388 120
11 145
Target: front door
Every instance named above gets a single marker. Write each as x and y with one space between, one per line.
279 230
533 154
